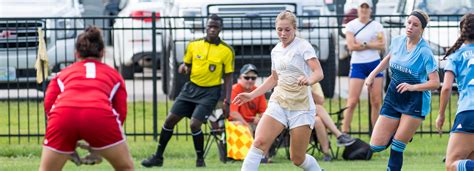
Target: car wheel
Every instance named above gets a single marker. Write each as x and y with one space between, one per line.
329 68
127 71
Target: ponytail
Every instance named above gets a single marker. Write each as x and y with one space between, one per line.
90 43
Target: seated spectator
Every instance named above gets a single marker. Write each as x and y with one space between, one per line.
323 121
248 113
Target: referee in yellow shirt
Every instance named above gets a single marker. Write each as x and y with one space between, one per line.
206 59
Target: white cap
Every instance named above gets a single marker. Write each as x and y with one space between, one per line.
368 2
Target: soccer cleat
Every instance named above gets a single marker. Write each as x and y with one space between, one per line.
327 157
344 140
200 163
153 161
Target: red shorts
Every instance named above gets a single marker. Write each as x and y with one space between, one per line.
98 127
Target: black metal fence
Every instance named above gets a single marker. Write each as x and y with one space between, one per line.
147 51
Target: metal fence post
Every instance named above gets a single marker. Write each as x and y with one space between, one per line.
154 77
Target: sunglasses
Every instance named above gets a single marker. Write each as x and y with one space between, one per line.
249 77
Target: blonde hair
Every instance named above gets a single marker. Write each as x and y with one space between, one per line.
424 14
287 15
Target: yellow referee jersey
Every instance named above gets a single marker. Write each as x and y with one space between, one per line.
209 62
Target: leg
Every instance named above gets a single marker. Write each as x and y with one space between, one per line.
405 131
376 99
327 121
51 160
299 139
198 139
165 136
342 138
267 130
383 130
166 133
118 156
355 85
460 146
322 135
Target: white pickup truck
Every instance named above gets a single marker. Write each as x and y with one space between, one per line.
19 20
248 26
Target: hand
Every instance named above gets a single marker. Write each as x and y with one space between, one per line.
304 81
225 109
403 87
369 81
183 69
256 120
242 98
242 122
439 123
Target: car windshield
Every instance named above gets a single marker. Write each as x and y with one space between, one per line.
38 2
445 7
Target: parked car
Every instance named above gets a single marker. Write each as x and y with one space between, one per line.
133 36
19 20
249 29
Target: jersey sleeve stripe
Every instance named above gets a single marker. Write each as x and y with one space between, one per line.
61 85
114 90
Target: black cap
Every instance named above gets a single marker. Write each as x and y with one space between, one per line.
248 67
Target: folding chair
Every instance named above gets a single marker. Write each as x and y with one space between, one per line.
216 134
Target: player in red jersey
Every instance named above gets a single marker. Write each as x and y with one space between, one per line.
88 101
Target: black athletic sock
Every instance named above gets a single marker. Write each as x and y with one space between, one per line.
165 136
198 139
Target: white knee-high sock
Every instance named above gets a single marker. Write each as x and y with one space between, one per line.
252 160
310 164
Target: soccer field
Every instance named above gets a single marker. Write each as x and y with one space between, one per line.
424 153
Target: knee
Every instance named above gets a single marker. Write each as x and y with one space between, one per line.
195 126
170 122
351 104
260 144
318 121
297 159
376 103
451 165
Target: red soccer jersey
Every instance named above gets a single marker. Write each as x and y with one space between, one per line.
88 84
250 109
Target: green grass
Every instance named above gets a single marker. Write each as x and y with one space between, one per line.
424 153
23 117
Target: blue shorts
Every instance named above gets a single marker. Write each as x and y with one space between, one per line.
464 122
362 70
391 112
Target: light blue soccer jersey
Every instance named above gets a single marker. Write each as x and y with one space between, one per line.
461 63
413 68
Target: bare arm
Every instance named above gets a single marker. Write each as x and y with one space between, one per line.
352 44
268 84
431 84
313 78
378 44
227 91
236 116
317 71
382 66
444 99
